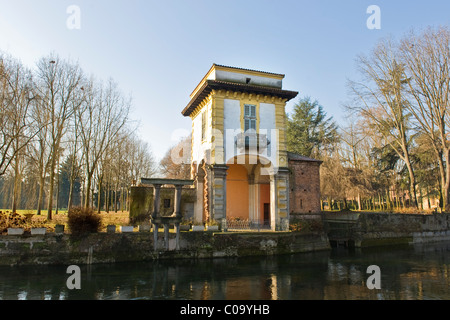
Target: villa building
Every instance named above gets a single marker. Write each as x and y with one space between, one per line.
240 167
239 162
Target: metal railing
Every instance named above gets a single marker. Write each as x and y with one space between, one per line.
247 225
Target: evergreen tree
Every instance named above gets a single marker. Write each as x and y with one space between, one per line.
309 131
64 184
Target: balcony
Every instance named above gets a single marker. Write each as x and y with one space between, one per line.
251 141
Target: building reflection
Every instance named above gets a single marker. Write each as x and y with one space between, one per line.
425 275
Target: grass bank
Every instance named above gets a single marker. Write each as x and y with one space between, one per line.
27 219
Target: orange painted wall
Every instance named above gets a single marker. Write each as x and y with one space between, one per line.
264 193
237 192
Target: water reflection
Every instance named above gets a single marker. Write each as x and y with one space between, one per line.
419 272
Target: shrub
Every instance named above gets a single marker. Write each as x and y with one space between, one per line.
81 221
305 225
10 220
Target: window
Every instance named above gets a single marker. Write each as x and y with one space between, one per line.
204 125
249 117
166 203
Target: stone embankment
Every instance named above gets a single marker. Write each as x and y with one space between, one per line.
138 246
353 229
368 229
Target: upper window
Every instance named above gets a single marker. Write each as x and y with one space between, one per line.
249 117
204 125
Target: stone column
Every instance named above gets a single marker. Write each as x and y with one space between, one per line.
155 214
155 236
156 200
198 204
177 239
219 191
166 236
177 201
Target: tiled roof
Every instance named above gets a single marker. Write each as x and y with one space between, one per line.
244 69
209 85
298 157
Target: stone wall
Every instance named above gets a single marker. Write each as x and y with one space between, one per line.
138 246
141 203
386 228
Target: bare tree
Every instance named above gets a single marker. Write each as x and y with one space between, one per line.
353 158
176 162
103 114
381 101
16 128
75 159
427 60
16 97
59 84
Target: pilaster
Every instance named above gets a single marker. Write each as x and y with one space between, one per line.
280 125
279 198
218 190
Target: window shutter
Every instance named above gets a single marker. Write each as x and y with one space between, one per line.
249 117
252 111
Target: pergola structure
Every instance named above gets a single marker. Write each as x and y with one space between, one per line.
166 221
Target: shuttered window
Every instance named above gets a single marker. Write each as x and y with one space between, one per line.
249 117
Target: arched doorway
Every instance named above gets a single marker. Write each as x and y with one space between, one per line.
237 192
248 192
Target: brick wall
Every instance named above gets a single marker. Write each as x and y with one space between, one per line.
304 184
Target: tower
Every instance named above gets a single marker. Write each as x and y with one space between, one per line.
239 159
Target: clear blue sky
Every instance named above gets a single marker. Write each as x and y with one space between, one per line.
159 50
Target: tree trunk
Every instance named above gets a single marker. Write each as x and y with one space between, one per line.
122 201
57 191
442 171
106 198
412 183
69 202
71 183
51 190
345 204
428 199
87 192
41 195
115 198
16 184
99 195
446 195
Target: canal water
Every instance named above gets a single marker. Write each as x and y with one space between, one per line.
420 272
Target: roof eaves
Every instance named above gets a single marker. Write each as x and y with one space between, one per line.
299 157
209 85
